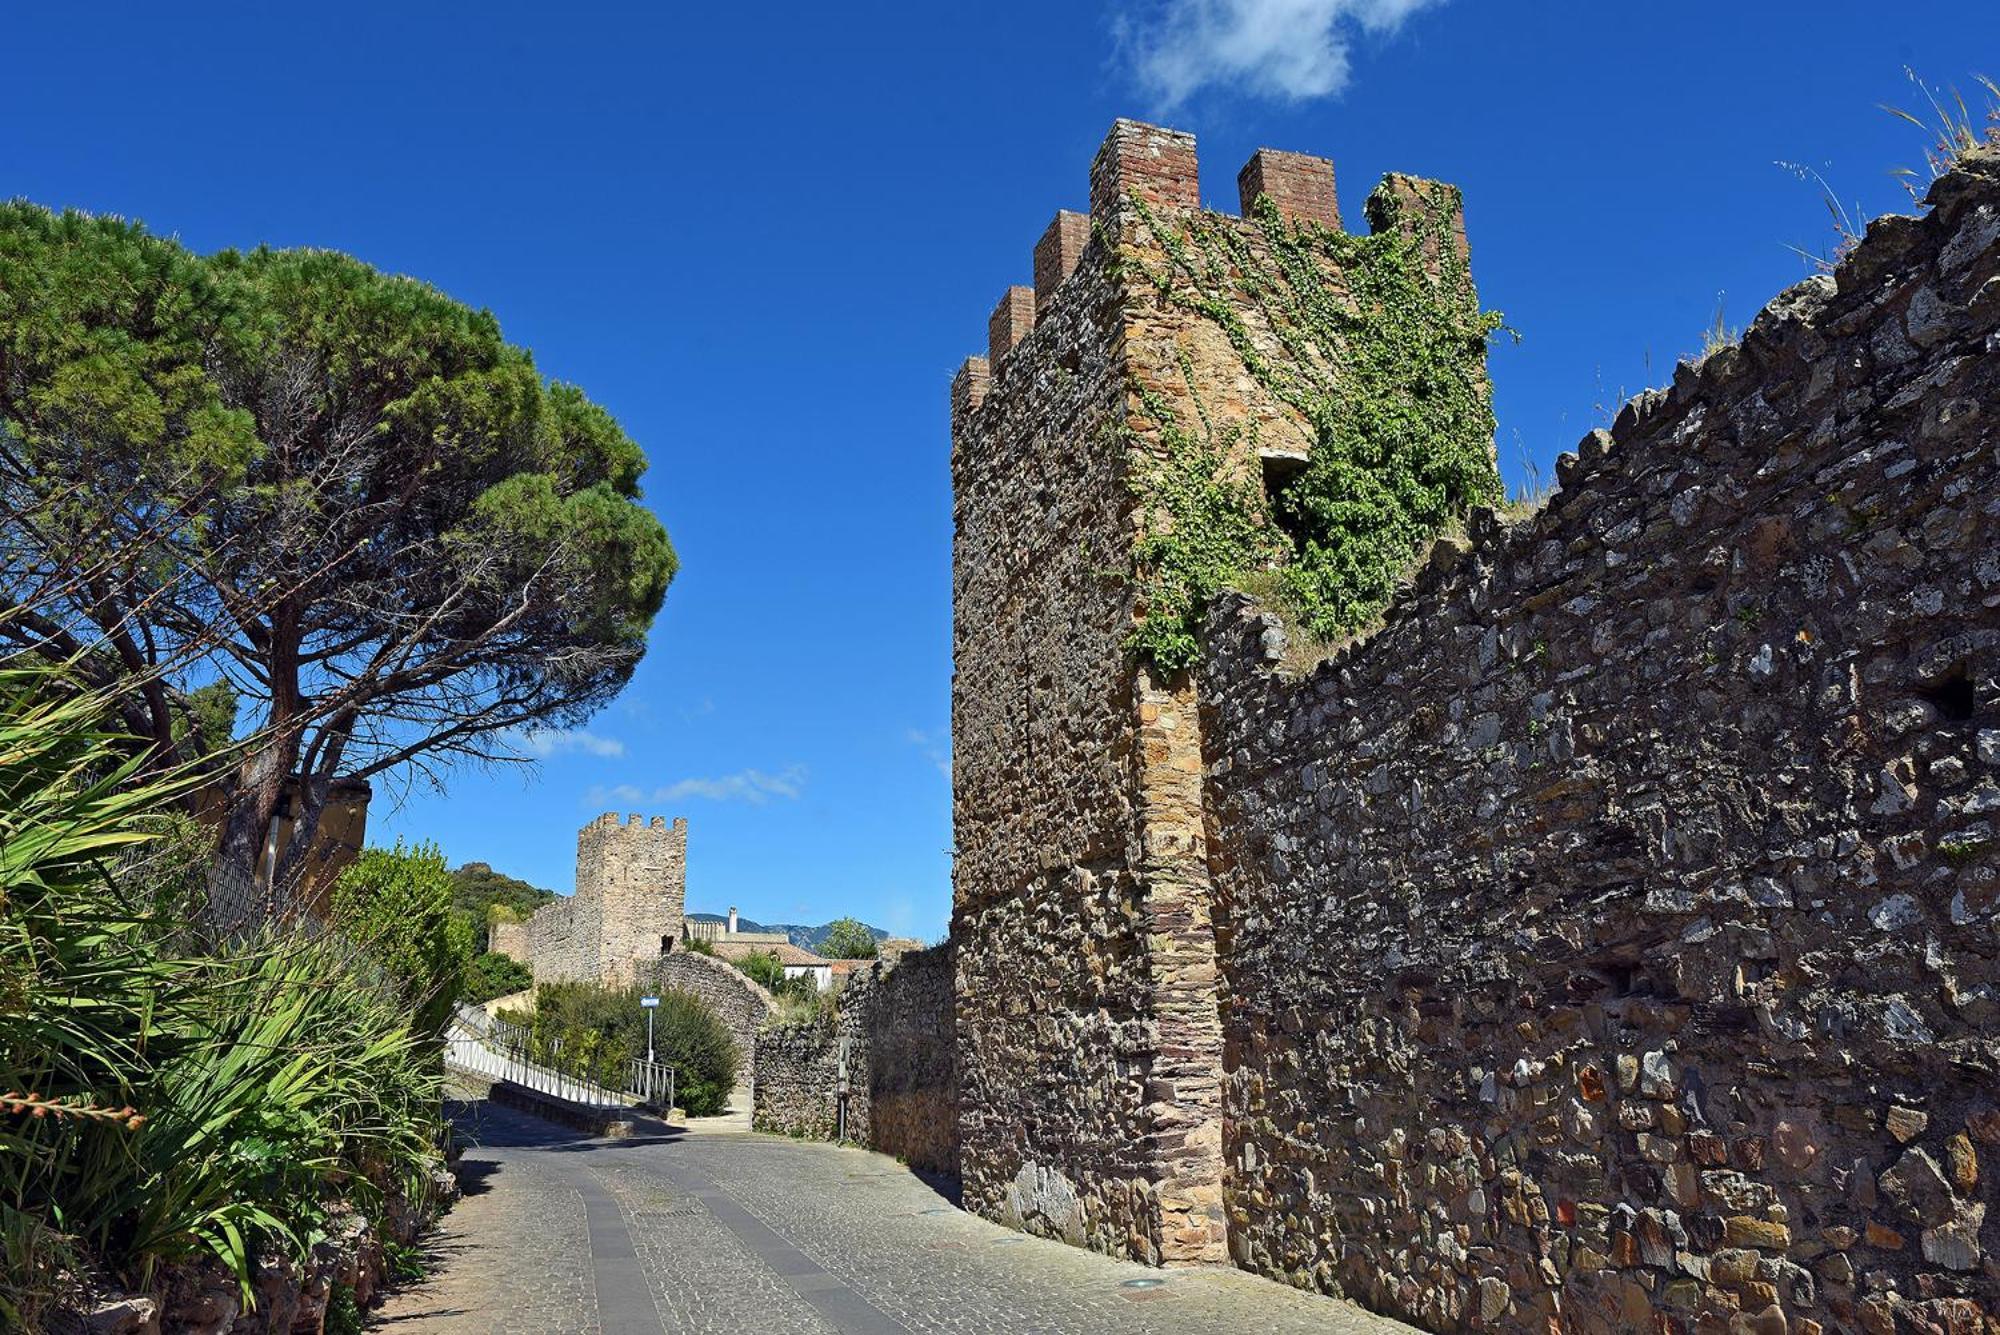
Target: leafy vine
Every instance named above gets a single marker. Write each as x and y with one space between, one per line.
1381 351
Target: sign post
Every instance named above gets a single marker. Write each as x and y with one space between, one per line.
651 1004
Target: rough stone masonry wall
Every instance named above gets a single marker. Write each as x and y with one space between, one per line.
637 874
737 1000
1090 1046
902 1065
796 1090
912 1057
1053 1026
1609 942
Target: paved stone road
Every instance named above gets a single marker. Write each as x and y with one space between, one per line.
707 1233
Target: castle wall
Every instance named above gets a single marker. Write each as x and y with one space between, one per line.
909 1024
796 1089
898 1021
1090 1043
510 939
1610 940
737 1000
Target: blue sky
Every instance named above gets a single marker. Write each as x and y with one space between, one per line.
765 236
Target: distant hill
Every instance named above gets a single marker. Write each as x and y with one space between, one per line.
476 885
806 938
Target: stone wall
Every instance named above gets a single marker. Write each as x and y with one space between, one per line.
1609 942
737 1000
910 1063
796 1089
631 895
902 1061
1090 1048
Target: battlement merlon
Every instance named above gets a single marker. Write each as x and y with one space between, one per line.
1057 253
1160 169
1148 163
1298 184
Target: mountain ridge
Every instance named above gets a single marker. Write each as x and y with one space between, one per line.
802 935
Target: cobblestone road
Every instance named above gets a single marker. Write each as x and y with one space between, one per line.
706 1233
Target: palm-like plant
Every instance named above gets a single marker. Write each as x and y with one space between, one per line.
164 1098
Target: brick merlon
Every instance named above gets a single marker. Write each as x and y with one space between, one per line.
968 387
1012 319
1300 185
1411 204
1057 252
1146 162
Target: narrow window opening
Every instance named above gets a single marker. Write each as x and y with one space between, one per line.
1280 472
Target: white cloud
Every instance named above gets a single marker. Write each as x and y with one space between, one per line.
751 785
1286 50
936 747
754 786
545 742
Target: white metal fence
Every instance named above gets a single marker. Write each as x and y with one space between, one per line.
499 1050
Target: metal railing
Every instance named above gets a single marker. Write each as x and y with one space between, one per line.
503 1050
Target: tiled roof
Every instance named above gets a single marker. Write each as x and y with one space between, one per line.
786 952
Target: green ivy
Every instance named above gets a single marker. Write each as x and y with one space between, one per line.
1386 361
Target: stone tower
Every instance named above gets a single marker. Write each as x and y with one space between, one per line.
631 897
1090 1038
637 873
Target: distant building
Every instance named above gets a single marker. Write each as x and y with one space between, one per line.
732 944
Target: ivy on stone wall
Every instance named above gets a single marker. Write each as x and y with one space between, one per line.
1385 356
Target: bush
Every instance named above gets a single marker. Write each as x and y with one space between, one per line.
182 1100
763 968
595 1030
491 975
848 939
805 1005
397 903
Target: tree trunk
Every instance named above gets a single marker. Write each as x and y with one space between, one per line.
255 792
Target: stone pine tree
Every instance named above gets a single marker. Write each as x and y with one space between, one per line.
337 493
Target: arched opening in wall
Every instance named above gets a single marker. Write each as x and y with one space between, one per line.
1281 468
1952 695
666 943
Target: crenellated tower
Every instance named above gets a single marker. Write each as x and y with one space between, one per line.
1090 1036
631 896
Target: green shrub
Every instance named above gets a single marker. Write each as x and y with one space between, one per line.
343 1314
687 1034
848 939
593 1031
805 1005
184 1099
397 904
763 968
490 975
